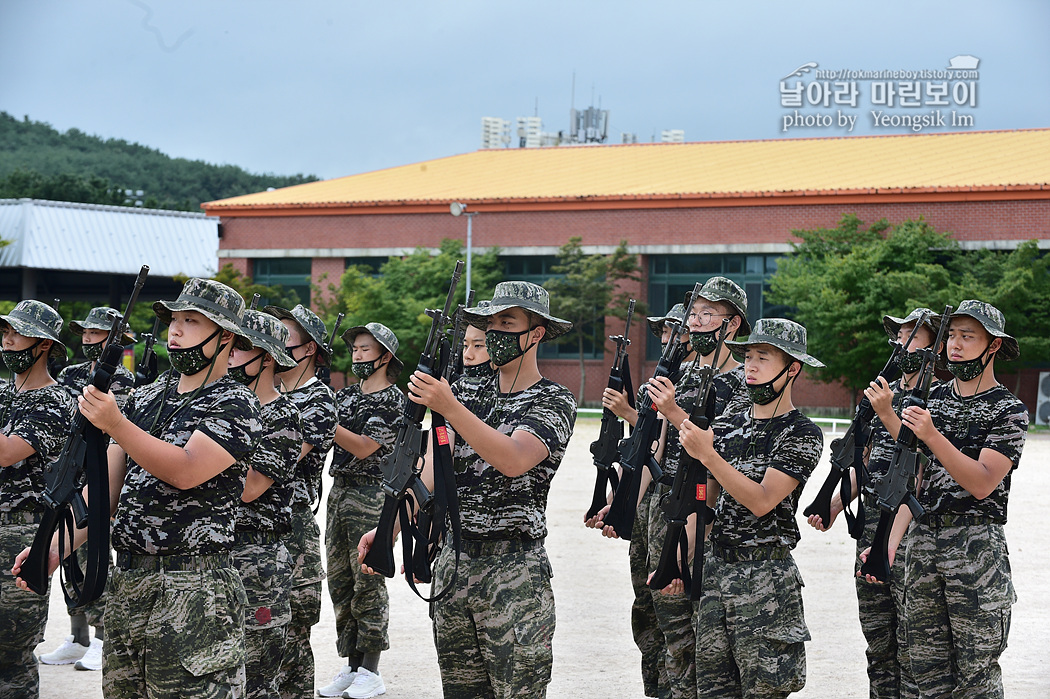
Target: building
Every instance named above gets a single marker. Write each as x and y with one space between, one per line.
690 210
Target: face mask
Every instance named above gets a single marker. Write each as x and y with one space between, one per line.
93 351
504 347
191 360
764 393
909 362
240 373
363 370
703 343
21 361
969 369
479 371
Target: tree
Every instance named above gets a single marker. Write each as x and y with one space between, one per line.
587 291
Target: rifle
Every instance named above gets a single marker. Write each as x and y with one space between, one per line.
688 494
848 450
459 329
324 373
893 487
605 449
146 371
401 481
82 463
55 365
636 451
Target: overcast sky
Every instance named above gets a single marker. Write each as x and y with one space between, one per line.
338 87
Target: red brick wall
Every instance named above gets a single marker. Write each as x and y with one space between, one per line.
325 271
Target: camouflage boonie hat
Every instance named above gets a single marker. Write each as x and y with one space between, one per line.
728 291
268 334
892 325
214 300
385 337
35 319
783 334
100 319
313 326
656 323
526 295
993 321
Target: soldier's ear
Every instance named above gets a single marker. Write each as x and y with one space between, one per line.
996 344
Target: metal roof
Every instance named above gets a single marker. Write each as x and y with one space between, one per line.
789 170
107 239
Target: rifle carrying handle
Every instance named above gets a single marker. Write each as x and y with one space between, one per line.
380 557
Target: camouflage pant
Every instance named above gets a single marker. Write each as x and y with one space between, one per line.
751 632
362 609
23 616
883 623
647 634
674 613
174 633
296 678
958 598
266 572
493 631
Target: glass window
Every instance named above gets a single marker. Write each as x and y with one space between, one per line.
372 263
290 272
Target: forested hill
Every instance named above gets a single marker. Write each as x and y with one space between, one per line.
38 161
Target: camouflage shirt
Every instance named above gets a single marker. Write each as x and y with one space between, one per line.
993 419
41 417
274 456
789 443
494 506
318 418
158 519
372 415
76 376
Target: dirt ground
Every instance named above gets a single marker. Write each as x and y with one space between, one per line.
593 651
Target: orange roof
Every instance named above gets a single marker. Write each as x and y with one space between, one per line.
943 166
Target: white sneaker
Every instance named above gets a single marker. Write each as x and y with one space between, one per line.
339 683
68 652
365 685
92 660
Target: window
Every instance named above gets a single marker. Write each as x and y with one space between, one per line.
372 263
290 272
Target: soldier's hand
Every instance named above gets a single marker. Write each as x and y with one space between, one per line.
864 559
363 547
433 392
700 444
661 391
675 587
598 520
20 559
100 409
879 395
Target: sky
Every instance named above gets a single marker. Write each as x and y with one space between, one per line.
339 87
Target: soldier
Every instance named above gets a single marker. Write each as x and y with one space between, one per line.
34 420
368 413
476 363
174 621
78 647
958 587
264 515
493 630
318 420
750 625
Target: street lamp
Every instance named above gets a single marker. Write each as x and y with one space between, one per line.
458 209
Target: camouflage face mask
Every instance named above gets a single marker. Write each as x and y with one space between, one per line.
504 347
910 362
764 393
21 361
703 343
969 369
192 360
479 371
240 373
363 370
93 351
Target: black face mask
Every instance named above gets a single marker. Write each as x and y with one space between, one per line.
970 369
191 360
240 373
764 393
21 361
910 362
93 351
363 370
504 347
703 343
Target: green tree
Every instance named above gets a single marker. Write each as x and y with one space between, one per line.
587 291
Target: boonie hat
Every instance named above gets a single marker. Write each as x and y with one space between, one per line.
214 300
727 290
268 334
312 325
32 318
784 334
100 319
526 295
892 325
385 337
656 323
994 322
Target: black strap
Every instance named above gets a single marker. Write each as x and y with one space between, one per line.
82 586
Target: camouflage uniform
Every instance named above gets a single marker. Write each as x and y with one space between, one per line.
958 581
644 626
362 610
260 556
316 404
174 618
493 631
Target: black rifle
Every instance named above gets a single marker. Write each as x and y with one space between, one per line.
848 450
401 468
606 449
54 364
688 493
324 373
636 452
893 488
146 371
459 329
82 463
